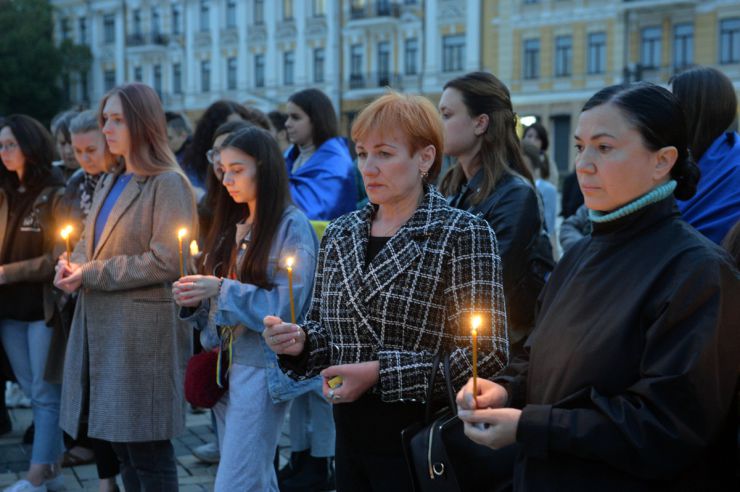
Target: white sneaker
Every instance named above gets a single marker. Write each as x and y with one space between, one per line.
208 453
25 486
14 396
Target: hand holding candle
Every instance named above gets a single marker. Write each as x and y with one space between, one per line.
181 234
66 231
476 321
289 265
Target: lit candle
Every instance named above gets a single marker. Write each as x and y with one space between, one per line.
475 323
181 234
289 264
66 231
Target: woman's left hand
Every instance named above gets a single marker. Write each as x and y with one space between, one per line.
492 427
69 278
191 290
356 380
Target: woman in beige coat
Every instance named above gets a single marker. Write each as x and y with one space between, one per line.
127 351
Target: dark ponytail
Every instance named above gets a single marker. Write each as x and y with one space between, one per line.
658 117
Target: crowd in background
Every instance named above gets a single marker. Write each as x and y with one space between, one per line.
608 352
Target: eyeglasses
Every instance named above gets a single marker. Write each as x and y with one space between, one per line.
214 158
8 147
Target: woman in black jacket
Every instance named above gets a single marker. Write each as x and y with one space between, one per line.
633 362
491 180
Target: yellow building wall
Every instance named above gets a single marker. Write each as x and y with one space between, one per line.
580 40
489 38
547 58
705 39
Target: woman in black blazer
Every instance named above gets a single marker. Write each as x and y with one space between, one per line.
397 282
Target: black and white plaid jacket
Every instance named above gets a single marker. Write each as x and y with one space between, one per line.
415 298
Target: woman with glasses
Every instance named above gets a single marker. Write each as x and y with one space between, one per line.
242 279
126 352
30 192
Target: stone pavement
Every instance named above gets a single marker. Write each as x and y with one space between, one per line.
194 476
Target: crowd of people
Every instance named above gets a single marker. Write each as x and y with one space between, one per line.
330 275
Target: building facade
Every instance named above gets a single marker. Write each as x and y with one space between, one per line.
553 54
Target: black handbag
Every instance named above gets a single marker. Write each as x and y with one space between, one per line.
439 455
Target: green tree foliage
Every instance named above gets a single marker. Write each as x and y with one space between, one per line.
31 66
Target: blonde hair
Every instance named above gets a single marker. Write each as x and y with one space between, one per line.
150 154
415 116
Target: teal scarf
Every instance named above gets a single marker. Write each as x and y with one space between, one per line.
655 195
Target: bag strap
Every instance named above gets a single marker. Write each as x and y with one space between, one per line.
445 360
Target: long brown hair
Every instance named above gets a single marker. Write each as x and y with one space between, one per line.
273 196
499 154
150 154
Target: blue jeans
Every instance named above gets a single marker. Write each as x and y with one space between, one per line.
147 466
312 425
27 346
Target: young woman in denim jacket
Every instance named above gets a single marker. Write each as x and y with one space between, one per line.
252 235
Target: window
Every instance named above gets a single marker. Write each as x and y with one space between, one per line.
531 59
157 82
683 45
287 9
109 28
176 22
156 21
138 74
82 23
259 70
319 8
231 74
453 53
65 28
205 76
384 63
355 62
729 41
205 15
596 62
384 7
318 65
563 56
109 79
137 22
259 11
288 65
650 47
410 57
231 13
176 78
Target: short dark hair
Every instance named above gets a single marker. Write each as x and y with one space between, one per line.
320 111
541 134
710 104
277 118
658 117
177 122
60 124
37 146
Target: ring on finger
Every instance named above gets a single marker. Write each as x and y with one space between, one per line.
336 396
330 394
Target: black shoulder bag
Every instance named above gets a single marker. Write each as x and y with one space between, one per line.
439 455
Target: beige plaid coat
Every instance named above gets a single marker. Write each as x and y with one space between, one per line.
127 350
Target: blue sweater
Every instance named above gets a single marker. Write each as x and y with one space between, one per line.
324 186
715 207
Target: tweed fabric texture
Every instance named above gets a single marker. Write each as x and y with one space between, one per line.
415 298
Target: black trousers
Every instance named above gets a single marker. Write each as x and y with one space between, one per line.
147 466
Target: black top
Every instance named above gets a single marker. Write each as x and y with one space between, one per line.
633 362
374 245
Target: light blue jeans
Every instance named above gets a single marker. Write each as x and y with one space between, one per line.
312 425
249 425
27 346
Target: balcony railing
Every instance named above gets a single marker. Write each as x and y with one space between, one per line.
374 9
373 80
147 39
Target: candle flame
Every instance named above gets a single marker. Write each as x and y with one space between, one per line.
289 262
194 247
66 231
476 323
182 233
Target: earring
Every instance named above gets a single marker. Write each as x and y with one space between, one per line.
424 174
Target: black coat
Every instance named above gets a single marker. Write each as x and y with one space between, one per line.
513 211
633 362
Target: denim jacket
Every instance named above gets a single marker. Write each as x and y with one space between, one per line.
245 304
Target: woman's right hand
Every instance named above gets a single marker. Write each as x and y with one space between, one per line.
283 338
63 270
490 395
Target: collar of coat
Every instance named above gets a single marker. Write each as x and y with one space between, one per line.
428 217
